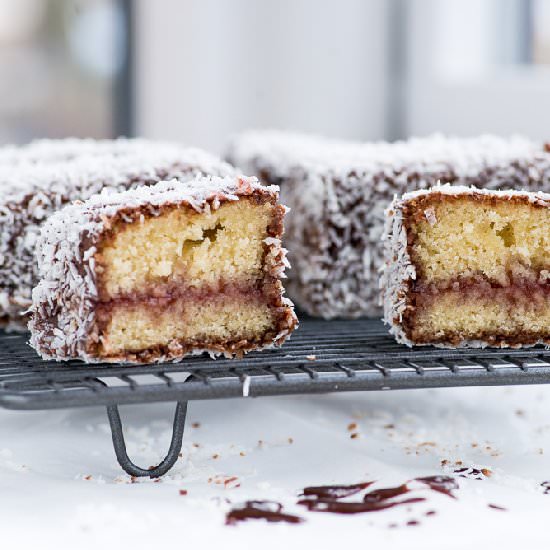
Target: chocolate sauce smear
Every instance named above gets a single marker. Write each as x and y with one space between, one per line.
441 484
336 491
379 495
261 509
328 498
339 507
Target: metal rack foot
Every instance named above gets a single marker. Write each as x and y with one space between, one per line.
120 445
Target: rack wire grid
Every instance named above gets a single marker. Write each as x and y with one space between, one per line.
322 356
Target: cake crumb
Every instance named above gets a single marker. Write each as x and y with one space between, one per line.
311 357
352 427
196 425
354 435
230 480
183 492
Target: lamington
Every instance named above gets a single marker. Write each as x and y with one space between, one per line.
47 175
338 190
154 273
467 267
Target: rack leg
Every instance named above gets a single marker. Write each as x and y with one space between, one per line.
120 445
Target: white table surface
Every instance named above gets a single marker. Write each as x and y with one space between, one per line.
61 487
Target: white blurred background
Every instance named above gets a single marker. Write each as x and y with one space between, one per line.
199 70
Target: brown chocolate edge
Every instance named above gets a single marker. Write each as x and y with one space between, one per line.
413 212
285 320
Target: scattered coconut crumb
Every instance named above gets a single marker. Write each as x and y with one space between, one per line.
230 480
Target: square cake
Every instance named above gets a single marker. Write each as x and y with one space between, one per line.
154 273
337 192
468 267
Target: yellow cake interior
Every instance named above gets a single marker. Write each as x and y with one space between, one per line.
188 278
483 269
186 245
211 322
469 237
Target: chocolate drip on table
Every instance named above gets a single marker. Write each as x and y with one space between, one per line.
328 498
336 491
261 509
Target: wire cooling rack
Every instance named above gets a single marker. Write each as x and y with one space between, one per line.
322 356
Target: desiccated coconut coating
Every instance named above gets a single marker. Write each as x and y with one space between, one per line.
337 192
65 319
41 183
